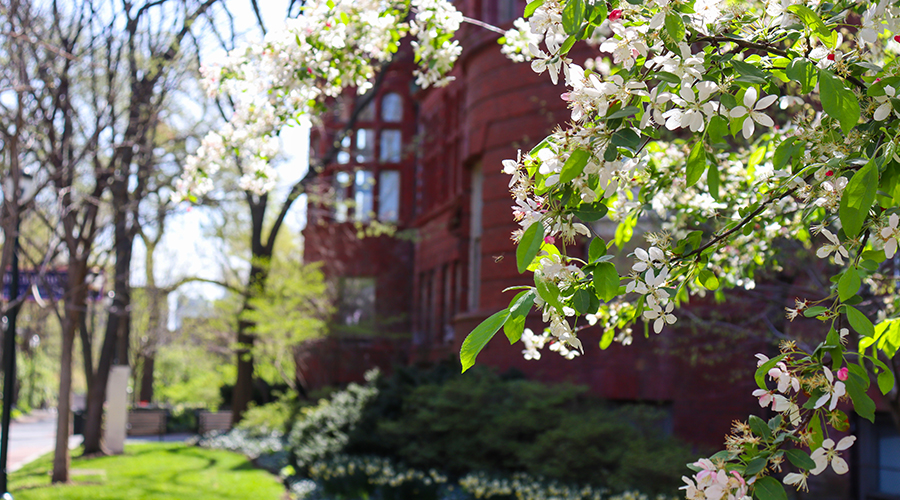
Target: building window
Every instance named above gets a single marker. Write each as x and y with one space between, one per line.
392 108
357 304
342 182
365 145
391 144
362 195
476 206
389 195
343 156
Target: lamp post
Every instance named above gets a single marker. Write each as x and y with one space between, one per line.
9 346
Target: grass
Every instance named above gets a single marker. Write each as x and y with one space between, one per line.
152 471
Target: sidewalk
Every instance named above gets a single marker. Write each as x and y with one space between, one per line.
34 435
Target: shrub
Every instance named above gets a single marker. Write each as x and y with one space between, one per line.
277 416
324 429
497 424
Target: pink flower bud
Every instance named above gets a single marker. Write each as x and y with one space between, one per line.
549 240
615 15
843 373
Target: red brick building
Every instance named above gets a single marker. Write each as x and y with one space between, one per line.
417 294
414 296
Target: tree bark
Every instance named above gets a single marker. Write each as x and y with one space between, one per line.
147 378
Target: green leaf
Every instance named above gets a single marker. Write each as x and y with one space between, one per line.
769 488
814 311
800 459
785 151
581 302
885 381
675 27
599 13
756 465
849 284
548 291
712 180
606 281
606 340
708 280
815 24
529 245
591 213
803 70
750 73
568 44
519 307
837 100
696 163
597 249
573 16
626 138
623 113
531 7
862 403
858 197
574 165
859 321
479 338
718 129
759 427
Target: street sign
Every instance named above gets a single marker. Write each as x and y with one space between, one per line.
51 284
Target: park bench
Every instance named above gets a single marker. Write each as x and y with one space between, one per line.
147 422
214 421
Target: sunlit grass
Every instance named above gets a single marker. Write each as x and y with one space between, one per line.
152 471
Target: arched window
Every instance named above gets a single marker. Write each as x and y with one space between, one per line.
392 108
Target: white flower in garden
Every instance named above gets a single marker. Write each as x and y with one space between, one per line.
829 453
889 236
871 26
695 107
886 107
657 20
752 108
779 403
655 258
832 192
685 66
797 479
542 61
826 56
834 393
654 109
517 40
627 48
661 316
786 101
785 380
833 247
533 344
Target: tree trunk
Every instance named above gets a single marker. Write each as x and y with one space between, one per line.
147 378
243 386
63 413
116 331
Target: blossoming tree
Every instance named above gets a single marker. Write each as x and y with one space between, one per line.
737 124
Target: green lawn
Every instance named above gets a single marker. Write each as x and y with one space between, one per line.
152 471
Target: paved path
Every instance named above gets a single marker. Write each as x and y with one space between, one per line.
32 436
35 435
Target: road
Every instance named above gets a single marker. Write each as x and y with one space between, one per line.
33 436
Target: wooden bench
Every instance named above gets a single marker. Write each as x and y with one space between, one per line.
213 421
147 422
